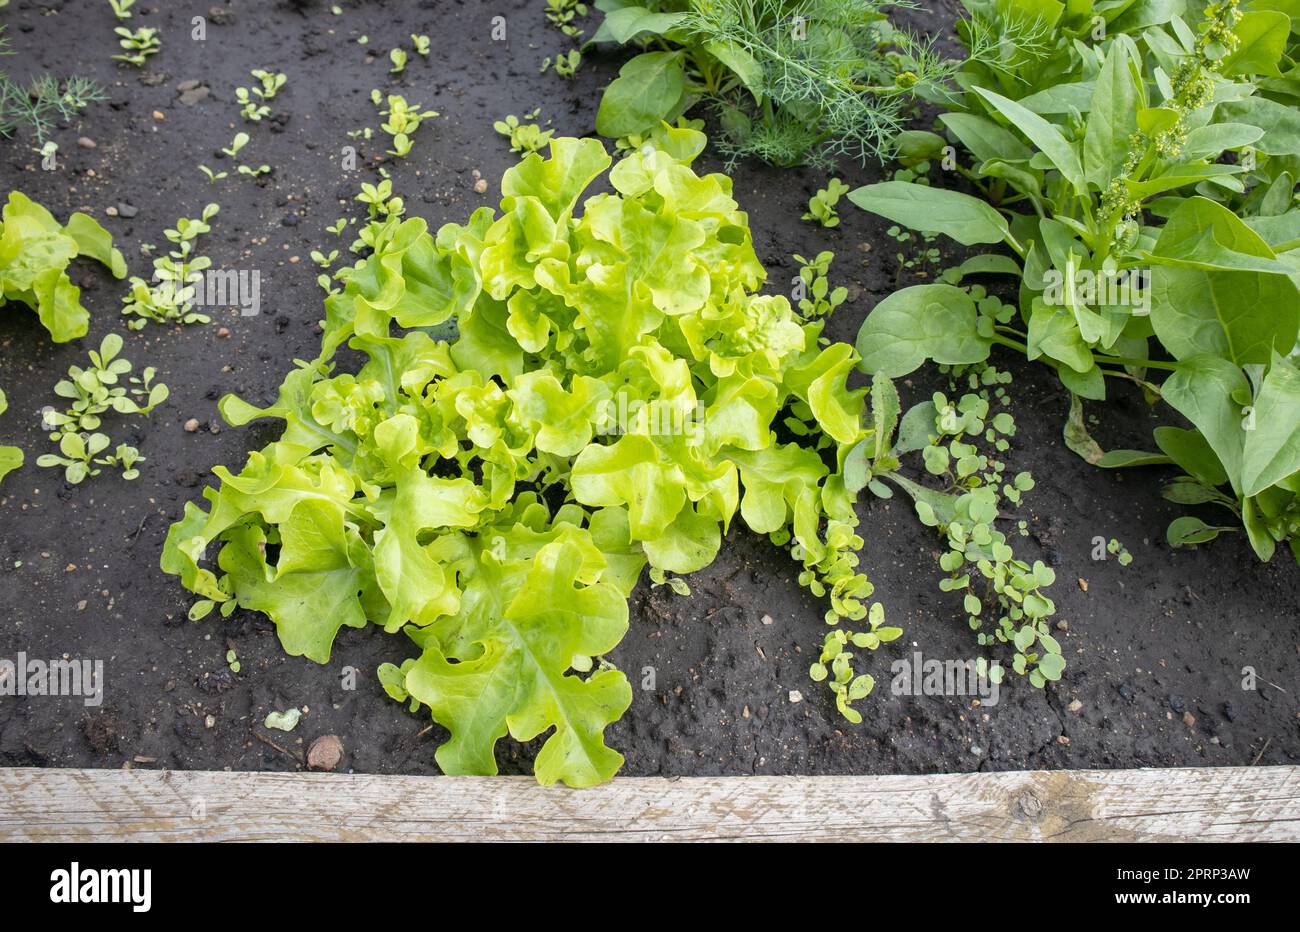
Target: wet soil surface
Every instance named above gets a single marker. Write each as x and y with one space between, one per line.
1156 650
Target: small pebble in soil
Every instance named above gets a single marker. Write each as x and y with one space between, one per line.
1189 719
192 425
796 696
86 142
193 96
1125 692
127 211
325 753
767 620
481 185
223 332
1075 706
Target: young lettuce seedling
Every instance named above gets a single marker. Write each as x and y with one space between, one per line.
815 296
94 391
524 138
139 44
566 63
173 298
821 207
403 120
238 143
562 13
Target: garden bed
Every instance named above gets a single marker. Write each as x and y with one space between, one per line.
1156 649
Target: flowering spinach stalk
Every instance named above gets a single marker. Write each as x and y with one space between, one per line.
552 399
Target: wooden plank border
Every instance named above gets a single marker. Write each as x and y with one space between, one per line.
1184 804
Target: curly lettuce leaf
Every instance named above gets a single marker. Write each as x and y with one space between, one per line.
11 458
552 398
35 251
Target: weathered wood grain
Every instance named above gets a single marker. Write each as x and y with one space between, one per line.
1192 804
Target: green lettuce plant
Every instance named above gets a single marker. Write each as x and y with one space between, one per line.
94 391
79 457
11 458
524 138
139 44
35 250
1142 175
172 297
821 206
816 297
402 120
566 63
553 396
563 15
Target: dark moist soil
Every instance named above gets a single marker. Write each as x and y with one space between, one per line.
1156 650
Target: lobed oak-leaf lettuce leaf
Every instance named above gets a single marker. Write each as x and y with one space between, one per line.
35 251
553 396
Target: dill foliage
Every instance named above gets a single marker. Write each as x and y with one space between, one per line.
43 101
792 81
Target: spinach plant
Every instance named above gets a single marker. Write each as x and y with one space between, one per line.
1143 177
